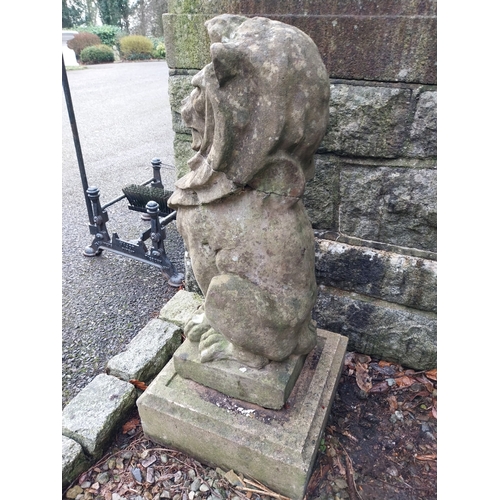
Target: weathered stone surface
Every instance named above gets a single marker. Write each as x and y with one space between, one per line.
378 328
367 121
182 153
179 87
238 209
401 279
380 41
181 307
268 387
423 132
277 448
305 7
191 285
74 460
91 416
186 41
147 353
392 205
321 196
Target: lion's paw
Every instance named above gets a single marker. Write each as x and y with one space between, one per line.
214 346
196 327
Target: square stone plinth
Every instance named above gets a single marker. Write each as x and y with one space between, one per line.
268 387
276 447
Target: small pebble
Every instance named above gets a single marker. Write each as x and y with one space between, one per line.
136 473
396 416
204 487
150 475
148 461
341 483
73 492
102 478
195 485
85 485
392 471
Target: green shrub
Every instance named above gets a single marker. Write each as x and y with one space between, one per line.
136 47
83 40
159 51
97 54
109 35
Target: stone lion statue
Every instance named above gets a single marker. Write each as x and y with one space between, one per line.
258 112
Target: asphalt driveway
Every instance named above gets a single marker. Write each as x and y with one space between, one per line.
123 118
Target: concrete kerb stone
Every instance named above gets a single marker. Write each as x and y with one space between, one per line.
74 460
181 307
90 418
147 353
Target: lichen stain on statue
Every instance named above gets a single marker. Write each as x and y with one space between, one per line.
258 112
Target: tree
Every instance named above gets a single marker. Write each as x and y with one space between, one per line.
114 13
147 17
72 13
91 13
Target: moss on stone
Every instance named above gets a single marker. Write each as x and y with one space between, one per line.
186 40
182 152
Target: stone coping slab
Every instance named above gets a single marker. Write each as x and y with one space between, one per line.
74 460
147 353
181 307
268 387
276 447
90 417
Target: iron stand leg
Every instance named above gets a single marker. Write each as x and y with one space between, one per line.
98 228
157 250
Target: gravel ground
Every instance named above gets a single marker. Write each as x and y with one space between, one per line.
380 443
123 118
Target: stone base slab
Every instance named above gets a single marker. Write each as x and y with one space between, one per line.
276 447
268 387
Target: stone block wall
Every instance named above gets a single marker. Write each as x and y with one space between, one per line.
372 201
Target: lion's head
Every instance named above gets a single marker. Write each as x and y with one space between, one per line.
258 111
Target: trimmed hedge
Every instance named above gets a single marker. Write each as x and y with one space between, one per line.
135 47
159 52
109 35
97 54
82 41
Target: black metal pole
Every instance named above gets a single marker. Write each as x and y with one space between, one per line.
76 140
